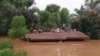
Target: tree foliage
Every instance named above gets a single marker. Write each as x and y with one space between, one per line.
52 17
44 16
53 8
10 8
6 49
89 20
18 28
64 16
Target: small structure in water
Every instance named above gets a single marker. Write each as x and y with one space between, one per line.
49 36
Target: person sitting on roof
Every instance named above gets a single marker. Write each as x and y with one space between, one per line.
31 30
57 30
40 30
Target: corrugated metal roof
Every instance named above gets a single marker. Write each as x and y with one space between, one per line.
57 36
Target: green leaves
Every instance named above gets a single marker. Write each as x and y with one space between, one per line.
18 28
18 21
53 8
10 8
89 19
6 44
16 3
64 16
7 52
6 49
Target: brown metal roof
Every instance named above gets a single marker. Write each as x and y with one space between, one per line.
57 36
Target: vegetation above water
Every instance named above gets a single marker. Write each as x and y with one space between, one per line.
6 49
86 19
18 27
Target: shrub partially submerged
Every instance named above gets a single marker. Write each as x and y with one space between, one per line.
18 27
6 44
6 49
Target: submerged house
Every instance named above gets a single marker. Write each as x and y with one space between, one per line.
47 36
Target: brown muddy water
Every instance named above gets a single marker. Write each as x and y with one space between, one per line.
68 48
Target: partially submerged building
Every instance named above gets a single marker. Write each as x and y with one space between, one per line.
47 36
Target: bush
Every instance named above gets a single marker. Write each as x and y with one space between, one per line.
18 28
21 32
6 44
7 52
10 52
6 49
89 26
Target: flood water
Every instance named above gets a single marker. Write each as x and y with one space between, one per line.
68 48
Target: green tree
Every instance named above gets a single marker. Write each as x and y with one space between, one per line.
10 8
54 14
19 3
64 16
88 21
30 17
91 4
18 28
57 19
54 20
44 16
53 8
16 3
